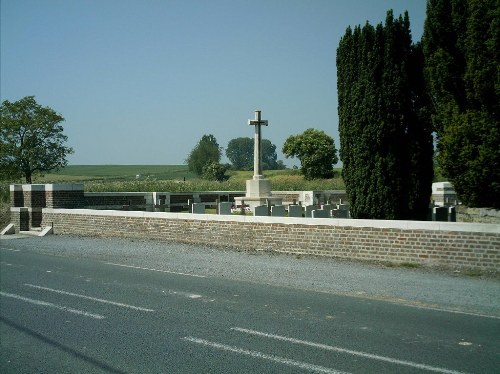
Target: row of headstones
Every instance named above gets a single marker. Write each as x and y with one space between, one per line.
223 208
444 214
309 211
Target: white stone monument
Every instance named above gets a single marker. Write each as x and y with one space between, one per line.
258 189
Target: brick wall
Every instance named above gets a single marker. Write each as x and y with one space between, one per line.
34 197
20 217
447 245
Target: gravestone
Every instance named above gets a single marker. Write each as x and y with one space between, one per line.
440 214
320 213
295 211
278 211
261 210
338 213
328 207
342 211
452 214
224 208
198 208
309 209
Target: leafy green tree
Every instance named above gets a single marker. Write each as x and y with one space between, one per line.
31 139
461 45
269 157
385 131
240 152
207 150
316 152
214 171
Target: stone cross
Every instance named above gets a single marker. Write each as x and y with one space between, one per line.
257 150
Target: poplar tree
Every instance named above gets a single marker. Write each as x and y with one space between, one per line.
461 44
385 133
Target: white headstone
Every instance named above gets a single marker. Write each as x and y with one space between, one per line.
278 210
225 208
198 208
261 210
295 211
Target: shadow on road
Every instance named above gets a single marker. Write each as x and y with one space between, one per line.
34 334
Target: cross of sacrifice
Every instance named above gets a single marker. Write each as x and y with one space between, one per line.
257 150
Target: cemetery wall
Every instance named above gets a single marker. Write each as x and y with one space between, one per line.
434 244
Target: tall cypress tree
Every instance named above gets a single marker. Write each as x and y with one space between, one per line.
385 136
461 44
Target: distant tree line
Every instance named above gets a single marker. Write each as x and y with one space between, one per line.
239 152
315 150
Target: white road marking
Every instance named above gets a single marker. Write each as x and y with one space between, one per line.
51 305
12 250
446 310
183 294
90 298
157 270
256 354
348 351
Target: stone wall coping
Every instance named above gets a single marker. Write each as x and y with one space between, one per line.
209 192
47 187
64 187
19 209
161 193
378 224
107 194
33 187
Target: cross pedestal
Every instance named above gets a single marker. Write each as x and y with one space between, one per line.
258 189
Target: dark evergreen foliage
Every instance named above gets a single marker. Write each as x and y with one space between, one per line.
461 44
385 133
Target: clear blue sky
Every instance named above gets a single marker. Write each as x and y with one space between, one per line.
140 82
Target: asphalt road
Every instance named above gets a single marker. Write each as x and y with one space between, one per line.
78 305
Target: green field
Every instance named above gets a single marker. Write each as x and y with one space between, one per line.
120 172
175 178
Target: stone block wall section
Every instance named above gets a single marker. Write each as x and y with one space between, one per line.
47 195
432 244
28 200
